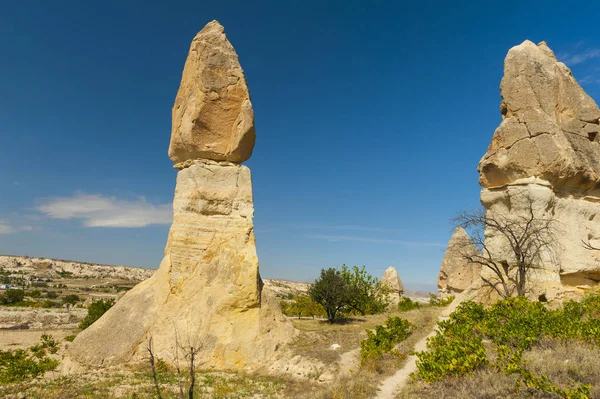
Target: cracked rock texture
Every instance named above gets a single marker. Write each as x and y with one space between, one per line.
545 156
207 292
456 273
212 114
549 125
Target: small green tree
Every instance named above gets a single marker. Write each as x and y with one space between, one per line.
303 305
368 295
71 299
332 291
95 311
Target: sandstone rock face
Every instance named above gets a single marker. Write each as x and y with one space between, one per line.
212 115
391 280
207 292
456 273
549 125
545 156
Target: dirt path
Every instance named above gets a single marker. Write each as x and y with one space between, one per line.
391 385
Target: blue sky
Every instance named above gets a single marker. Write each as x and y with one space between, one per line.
371 118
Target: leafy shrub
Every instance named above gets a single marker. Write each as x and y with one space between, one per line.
11 297
302 305
456 348
70 299
35 294
70 338
51 295
511 326
385 338
50 304
95 311
435 300
23 364
407 304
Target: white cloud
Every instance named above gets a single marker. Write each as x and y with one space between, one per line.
5 228
100 211
378 240
580 58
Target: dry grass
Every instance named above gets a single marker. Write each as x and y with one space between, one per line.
136 383
317 335
363 383
567 364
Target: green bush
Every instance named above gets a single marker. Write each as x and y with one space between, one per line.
11 297
511 327
95 311
23 364
70 338
407 304
35 294
70 299
50 304
385 338
435 300
51 295
302 305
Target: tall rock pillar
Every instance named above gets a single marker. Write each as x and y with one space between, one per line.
207 292
545 158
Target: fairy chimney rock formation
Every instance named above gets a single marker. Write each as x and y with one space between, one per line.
545 155
549 126
457 273
392 281
207 292
212 115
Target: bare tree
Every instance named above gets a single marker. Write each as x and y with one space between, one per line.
190 348
152 361
524 235
588 245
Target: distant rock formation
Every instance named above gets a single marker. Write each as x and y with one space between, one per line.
392 281
207 291
546 153
52 268
457 273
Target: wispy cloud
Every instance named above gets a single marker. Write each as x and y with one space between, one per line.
101 211
7 228
308 226
334 238
589 79
580 58
346 227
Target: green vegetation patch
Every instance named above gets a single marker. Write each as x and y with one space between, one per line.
474 337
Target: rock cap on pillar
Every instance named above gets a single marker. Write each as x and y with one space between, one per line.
212 115
549 125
